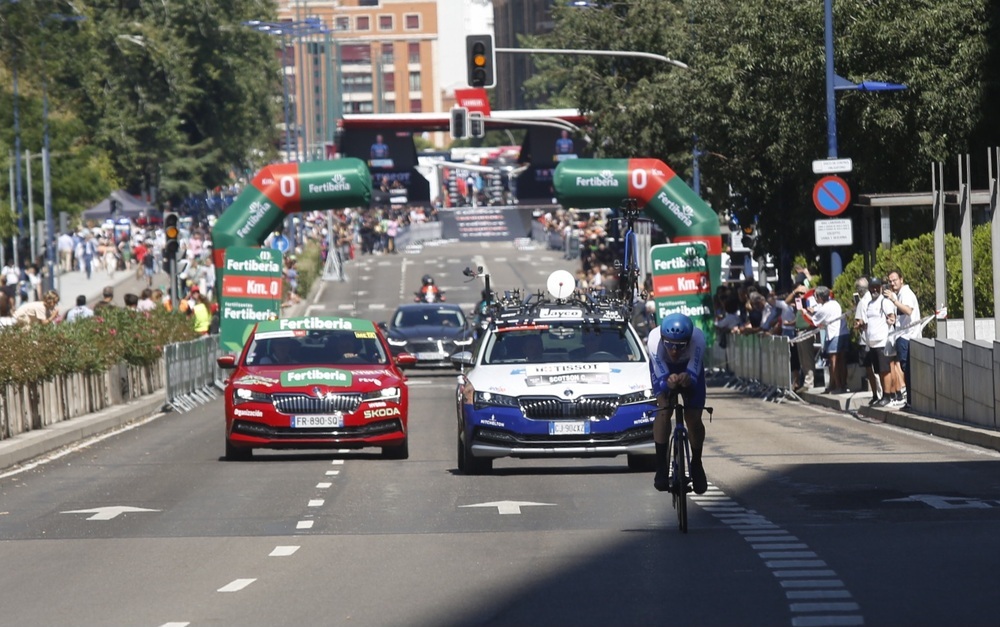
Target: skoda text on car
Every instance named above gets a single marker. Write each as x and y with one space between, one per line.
316 382
555 377
432 332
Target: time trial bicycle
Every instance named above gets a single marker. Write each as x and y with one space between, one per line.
680 461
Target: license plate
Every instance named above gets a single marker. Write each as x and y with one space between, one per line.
318 420
431 356
579 427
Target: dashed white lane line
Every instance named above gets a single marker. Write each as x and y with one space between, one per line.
316 502
332 473
817 598
323 485
283 551
236 585
337 462
175 624
304 524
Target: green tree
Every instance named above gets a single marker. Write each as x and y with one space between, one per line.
755 98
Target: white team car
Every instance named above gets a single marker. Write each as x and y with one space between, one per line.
559 376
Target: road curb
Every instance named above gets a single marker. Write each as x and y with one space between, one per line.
26 446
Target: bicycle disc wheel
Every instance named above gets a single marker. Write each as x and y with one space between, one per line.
680 484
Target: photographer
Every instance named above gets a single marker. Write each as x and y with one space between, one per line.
908 312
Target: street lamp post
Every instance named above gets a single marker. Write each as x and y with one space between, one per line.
50 228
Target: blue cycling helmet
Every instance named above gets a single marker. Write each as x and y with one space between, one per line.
676 328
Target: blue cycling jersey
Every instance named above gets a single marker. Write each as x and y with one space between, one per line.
690 360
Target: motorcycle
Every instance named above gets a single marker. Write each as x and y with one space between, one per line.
428 296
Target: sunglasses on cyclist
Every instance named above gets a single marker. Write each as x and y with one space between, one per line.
674 346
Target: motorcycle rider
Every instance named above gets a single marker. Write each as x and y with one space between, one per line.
429 292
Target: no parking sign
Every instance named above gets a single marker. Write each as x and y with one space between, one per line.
831 195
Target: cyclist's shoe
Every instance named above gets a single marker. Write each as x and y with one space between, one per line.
698 480
661 481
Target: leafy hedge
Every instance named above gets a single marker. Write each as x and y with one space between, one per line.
914 259
38 352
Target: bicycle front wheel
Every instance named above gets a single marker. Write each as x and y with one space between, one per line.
680 483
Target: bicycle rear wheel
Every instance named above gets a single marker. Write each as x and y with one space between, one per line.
680 483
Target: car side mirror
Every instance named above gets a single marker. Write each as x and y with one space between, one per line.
382 326
406 359
464 358
226 362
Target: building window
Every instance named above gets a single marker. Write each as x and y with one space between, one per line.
355 53
385 22
363 22
342 23
359 107
367 3
412 21
413 52
414 81
389 81
388 107
387 54
355 83
416 106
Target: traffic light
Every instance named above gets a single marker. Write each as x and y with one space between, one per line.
481 59
459 125
750 236
477 124
172 231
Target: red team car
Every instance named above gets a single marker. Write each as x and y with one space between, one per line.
313 383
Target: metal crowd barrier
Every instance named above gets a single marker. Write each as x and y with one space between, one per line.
192 374
761 365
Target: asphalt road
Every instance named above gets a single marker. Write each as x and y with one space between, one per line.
813 517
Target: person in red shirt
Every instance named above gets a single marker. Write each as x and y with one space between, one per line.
139 252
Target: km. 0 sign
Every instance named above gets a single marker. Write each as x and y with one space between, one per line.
831 195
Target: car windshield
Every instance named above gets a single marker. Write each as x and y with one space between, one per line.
428 316
316 348
547 344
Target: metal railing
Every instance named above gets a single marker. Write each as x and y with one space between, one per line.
192 374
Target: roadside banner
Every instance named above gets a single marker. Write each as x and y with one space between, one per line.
682 284
251 292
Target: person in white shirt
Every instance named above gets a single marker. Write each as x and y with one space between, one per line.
875 331
907 314
828 313
81 310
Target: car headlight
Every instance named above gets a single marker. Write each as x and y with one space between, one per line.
642 396
464 342
244 395
385 394
492 399
395 342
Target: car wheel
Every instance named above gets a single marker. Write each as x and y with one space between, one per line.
641 463
238 453
469 463
397 452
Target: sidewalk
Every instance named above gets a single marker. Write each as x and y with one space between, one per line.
857 403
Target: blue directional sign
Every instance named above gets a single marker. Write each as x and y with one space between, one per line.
280 242
831 195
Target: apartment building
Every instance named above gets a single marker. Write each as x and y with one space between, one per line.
373 56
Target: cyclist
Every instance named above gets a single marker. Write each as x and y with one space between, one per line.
677 351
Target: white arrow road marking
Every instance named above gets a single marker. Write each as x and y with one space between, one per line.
107 513
508 507
236 585
944 502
